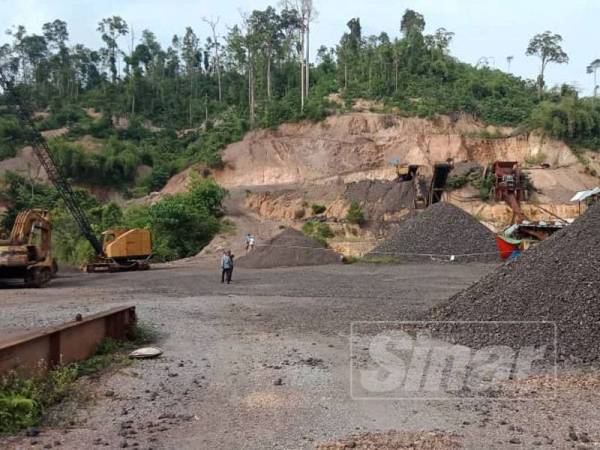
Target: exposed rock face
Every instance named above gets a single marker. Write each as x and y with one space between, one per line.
343 158
363 142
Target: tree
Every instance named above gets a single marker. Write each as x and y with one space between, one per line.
412 21
593 68
509 60
216 47
412 26
57 35
547 47
190 52
266 26
111 29
308 14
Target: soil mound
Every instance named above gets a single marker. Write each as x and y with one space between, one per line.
288 248
556 281
441 231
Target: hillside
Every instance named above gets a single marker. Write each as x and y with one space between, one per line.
280 173
130 126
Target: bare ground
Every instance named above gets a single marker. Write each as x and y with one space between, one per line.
264 364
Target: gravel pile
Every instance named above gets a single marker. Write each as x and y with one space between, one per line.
556 281
289 248
441 231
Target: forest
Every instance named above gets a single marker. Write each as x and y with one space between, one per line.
169 106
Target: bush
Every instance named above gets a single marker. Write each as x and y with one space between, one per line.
457 182
571 119
11 136
355 214
318 209
319 231
485 185
61 116
181 224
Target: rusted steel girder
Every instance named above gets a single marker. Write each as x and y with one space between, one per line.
63 344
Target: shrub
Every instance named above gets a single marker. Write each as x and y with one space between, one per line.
457 182
318 209
355 214
181 224
319 231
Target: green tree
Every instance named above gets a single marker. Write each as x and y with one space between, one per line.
546 46
111 28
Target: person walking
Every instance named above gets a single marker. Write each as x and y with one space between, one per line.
226 266
251 243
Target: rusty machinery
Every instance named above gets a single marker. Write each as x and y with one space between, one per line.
510 185
120 249
426 192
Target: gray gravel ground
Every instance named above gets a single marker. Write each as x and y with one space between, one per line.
265 362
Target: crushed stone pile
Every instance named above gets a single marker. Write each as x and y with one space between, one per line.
289 248
557 281
442 230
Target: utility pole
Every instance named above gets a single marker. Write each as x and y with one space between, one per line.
509 60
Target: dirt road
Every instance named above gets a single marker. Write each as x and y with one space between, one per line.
264 363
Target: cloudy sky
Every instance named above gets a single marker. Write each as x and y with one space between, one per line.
484 28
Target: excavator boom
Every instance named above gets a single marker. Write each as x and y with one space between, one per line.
43 153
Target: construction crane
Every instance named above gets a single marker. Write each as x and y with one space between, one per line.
122 249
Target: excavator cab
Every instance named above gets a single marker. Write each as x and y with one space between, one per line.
27 253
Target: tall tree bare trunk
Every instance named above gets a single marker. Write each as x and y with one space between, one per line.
302 73
251 86
269 76
345 74
307 76
213 26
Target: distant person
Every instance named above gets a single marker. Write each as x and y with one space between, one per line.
226 267
231 256
250 242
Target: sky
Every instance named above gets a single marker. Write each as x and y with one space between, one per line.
484 28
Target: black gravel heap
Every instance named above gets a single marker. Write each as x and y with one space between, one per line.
289 248
556 281
441 231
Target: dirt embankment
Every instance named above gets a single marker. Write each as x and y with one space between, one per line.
364 143
359 146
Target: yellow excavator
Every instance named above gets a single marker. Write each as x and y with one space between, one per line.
26 254
120 249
